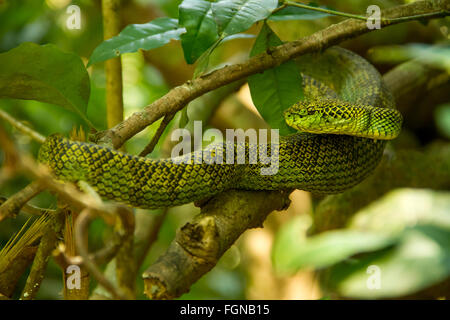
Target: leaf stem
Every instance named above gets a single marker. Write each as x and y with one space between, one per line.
329 11
149 148
410 18
355 16
283 5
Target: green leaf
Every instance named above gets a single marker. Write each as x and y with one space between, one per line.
276 89
201 29
296 13
184 118
46 74
234 16
146 36
292 252
203 61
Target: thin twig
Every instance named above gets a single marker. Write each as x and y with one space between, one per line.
12 206
355 16
30 209
283 5
21 127
149 148
324 10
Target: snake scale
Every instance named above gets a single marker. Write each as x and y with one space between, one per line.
346 97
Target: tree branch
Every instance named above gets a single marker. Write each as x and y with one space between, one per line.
14 204
149 148
21 127
199 244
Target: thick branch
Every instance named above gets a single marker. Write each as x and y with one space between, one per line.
11 276
200 243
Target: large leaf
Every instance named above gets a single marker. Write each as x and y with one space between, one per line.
47 74
234 16
296 13
201 28
203 60
276 89
292 252
146 36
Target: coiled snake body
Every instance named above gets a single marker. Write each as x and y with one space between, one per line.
347 102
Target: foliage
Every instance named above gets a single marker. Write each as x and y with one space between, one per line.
134 37
202 26
45 73
276 89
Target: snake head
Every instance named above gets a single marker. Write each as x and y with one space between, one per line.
321 116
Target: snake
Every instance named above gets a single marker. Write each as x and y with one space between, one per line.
344 122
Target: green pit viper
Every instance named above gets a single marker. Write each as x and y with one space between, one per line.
348 112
